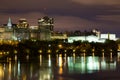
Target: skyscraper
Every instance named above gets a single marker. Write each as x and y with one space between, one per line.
9 24
21 31
45 25
22 23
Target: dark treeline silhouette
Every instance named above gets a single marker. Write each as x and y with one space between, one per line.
79 33
35 48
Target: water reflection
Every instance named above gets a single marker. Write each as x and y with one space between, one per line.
48 67
1 72
118 56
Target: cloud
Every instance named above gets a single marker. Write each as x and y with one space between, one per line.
98 2
68 14
70 23
32 4
109 18
31 17
61 23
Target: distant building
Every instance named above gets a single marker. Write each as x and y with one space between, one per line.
6 31
12 31
45 26
21 31
59 36
101 38
34 32
22 23
2 33
44 31
9 24
108 36
90 38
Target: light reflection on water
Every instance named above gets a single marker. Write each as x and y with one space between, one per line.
47 68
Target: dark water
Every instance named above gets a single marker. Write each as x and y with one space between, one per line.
62 68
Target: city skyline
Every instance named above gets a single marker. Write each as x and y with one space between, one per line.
69 15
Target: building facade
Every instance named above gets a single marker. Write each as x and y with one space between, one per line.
45 25
22 30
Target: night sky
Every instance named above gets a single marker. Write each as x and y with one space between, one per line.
69 15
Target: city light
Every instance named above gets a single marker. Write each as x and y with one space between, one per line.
40 51
49 51
60 46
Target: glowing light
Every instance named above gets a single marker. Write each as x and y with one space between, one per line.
73 54
118 56
19 69
110 36
103 65
82 59
113 65
60 55
49 60
8 52
65 55
33 27
84 54
27 57
60 70
57 50
111 56
1 72
73 57
40 60
103 54
24 77
49 51
1 53
65 50
15 57
10 69
65 59
92 64
83 66
49 45
103 50
93 50
74 50
60 61
15 51
60 46
84 51
40 51
93 54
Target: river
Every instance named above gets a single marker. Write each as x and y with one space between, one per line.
62 68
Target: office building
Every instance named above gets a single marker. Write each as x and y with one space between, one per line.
45 26
21 31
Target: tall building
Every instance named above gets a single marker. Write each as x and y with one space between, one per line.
22 23
97 32
34 33
21 31
45 25
9 24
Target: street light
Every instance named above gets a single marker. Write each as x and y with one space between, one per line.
60 46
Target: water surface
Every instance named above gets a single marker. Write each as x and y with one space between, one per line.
62 68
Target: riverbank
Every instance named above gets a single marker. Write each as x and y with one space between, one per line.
34 48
